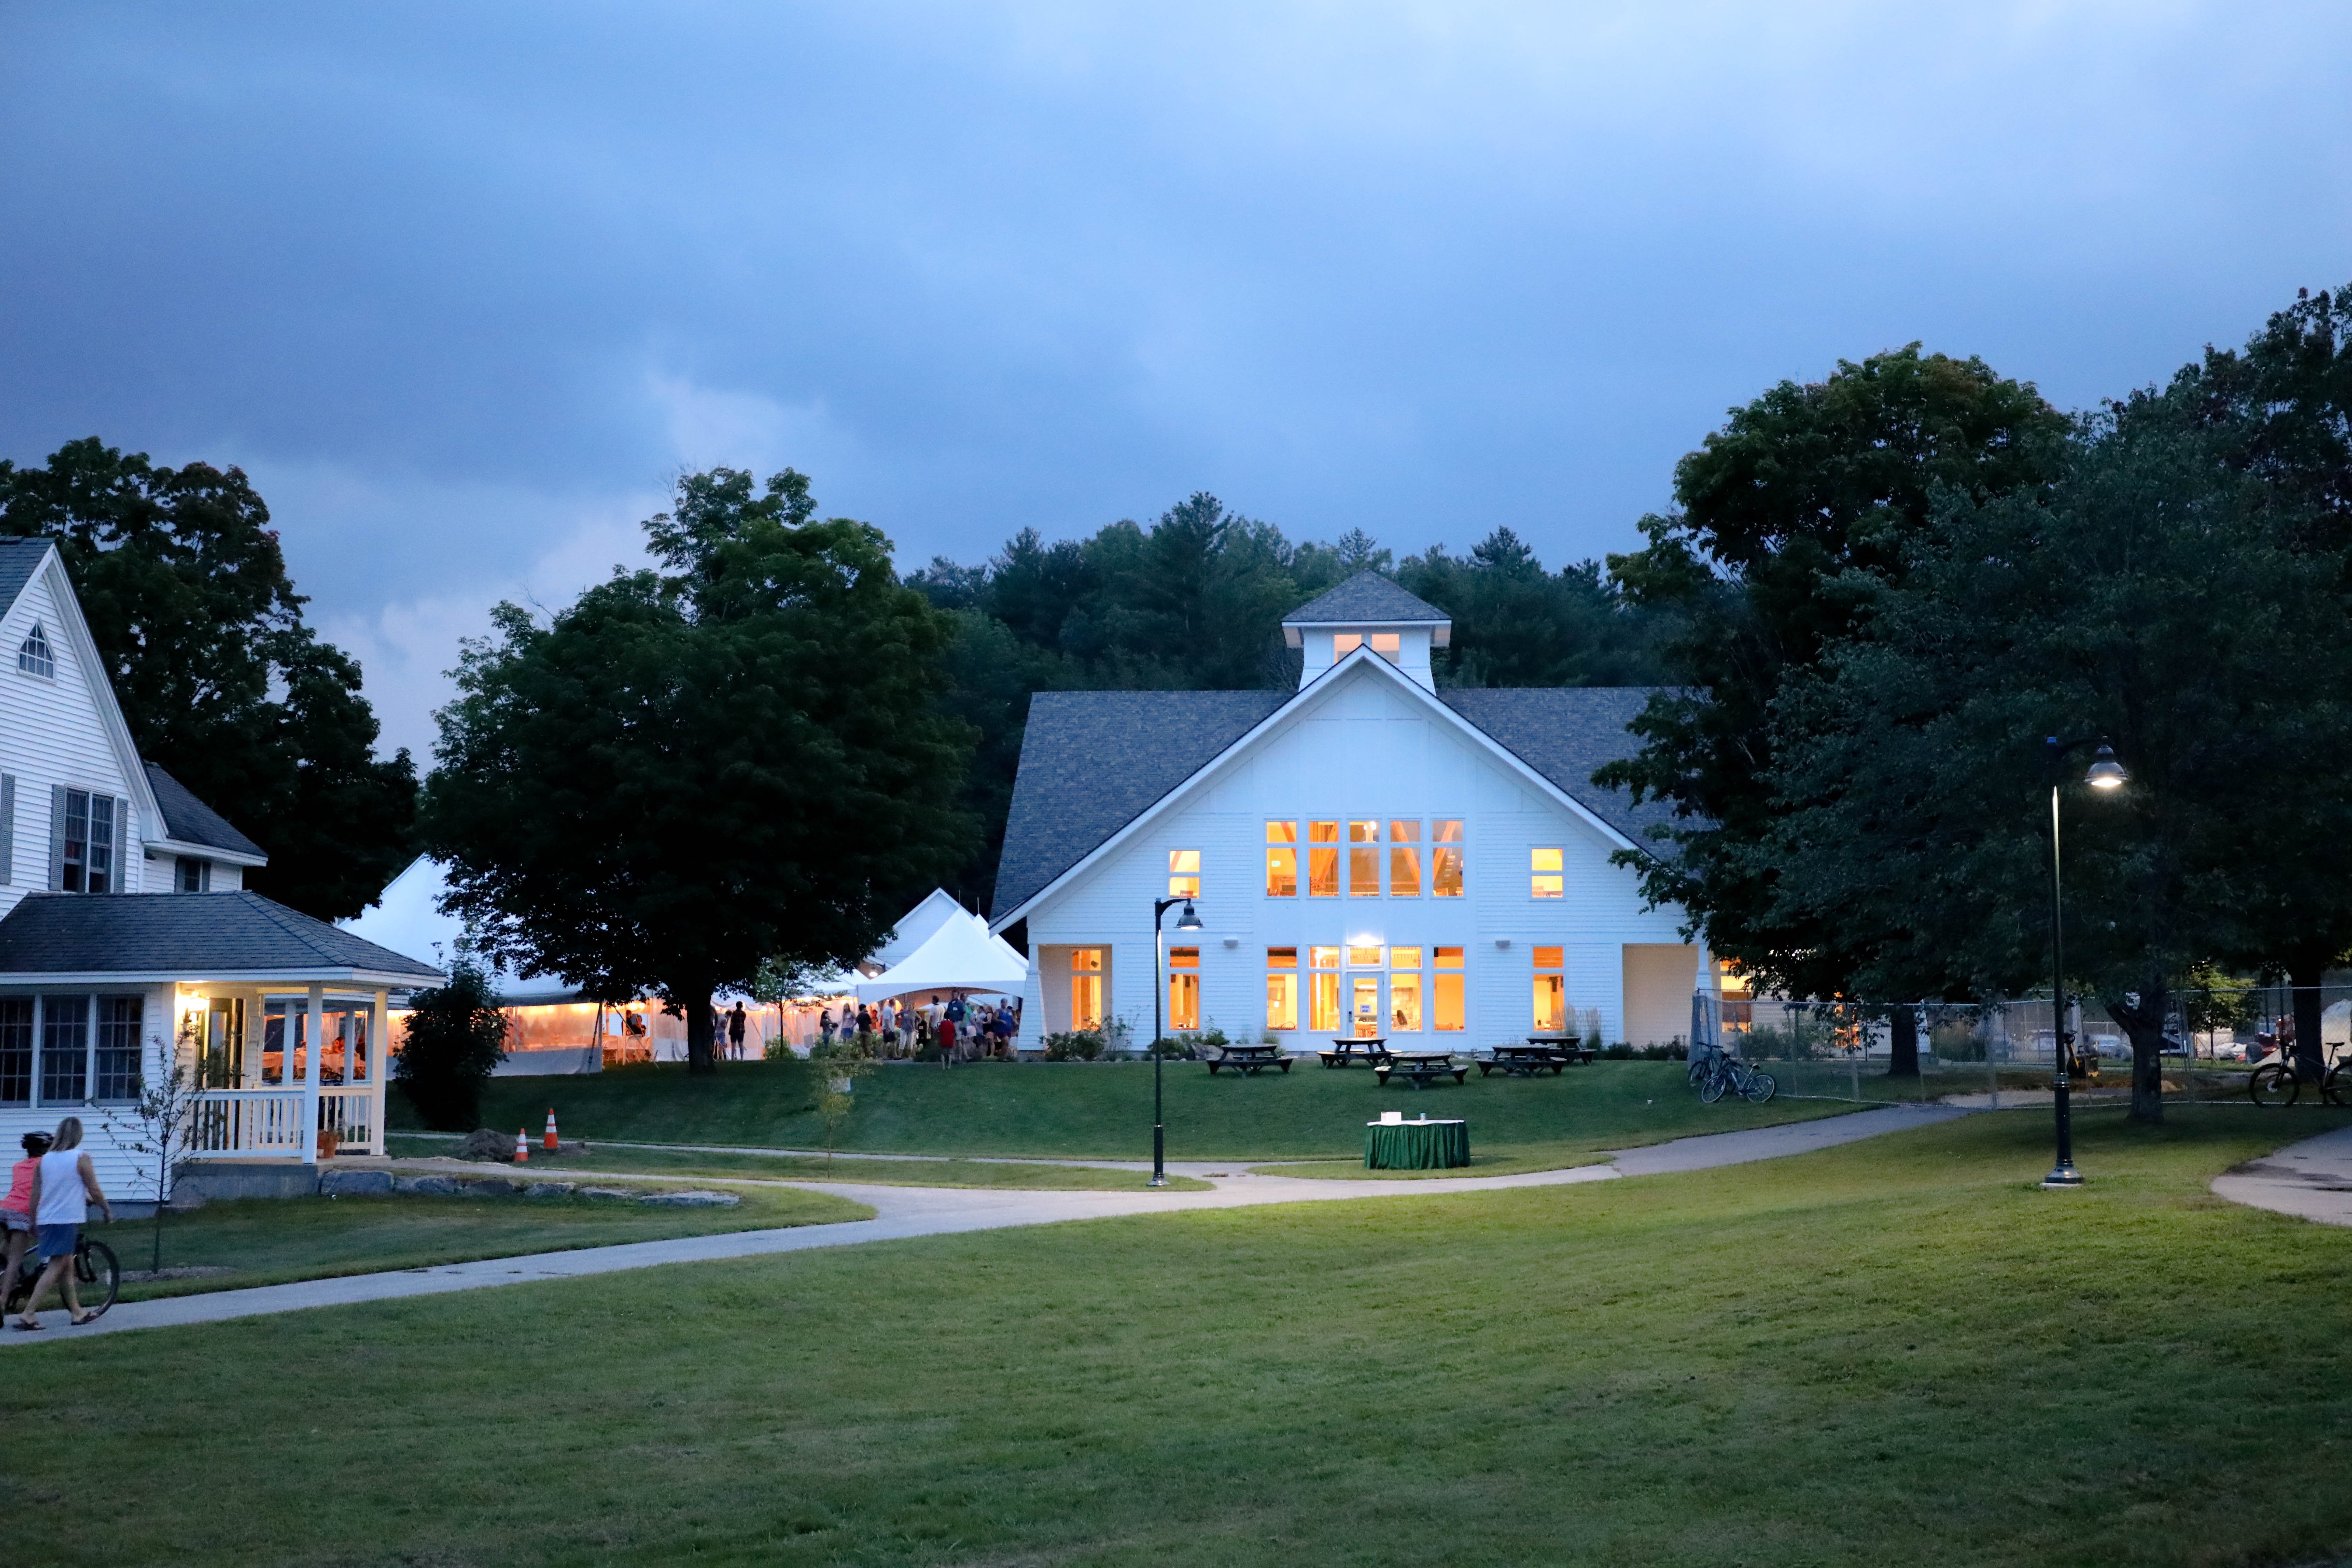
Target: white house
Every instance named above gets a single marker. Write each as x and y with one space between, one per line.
127 936
1368 855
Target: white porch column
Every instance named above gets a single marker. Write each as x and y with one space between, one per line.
379 1068
310 1073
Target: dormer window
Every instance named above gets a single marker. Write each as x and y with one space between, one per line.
1389 645
33 655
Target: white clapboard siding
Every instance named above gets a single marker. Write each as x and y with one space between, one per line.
1368 750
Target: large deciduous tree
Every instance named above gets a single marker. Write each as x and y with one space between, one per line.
185 587
690 774
1788 515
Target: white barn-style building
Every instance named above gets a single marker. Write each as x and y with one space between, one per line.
1370 854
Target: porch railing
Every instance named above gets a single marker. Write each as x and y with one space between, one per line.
248 1123
350 1115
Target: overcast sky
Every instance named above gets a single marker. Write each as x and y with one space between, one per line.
463 287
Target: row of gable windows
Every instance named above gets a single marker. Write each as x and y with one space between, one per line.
1363 861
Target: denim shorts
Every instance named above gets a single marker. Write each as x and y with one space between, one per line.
57 1240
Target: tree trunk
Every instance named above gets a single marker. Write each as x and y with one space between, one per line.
1903 1042
2305 971
700 1057
2144 1026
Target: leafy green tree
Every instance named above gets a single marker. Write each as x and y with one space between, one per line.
455 1039
183 585
1516 624
1789 516
691 773
2151 594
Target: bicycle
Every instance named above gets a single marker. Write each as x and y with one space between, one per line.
1730 1074
1702 1065
2276 1085
98 1277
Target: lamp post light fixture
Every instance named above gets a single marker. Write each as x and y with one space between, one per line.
2106 775
1188 921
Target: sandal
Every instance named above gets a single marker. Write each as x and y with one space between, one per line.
29 1326
85 1319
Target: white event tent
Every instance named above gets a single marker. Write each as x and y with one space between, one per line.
961 954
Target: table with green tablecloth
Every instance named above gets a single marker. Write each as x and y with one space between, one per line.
1422 1145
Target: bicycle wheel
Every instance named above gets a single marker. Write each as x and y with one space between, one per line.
2337 1086
97 1275
2274 1086
1712 1089
1696 1076
1760 1088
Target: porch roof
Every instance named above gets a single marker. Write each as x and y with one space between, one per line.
101 938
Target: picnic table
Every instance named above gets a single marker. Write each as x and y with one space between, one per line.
1375 1050
1422 1145
1523 1061
1422 1067
1569 1047
1249 1059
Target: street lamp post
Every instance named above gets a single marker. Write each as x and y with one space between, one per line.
1188 921
2105 774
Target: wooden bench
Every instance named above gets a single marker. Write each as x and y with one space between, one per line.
1524 1061
1249 1059
1422 1067
1374 1051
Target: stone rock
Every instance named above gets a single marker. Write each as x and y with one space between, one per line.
355 1184
485 1144
436 1186
621 1193
548 1189
494 1188
692 1200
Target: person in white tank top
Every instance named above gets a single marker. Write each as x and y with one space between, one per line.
63 1188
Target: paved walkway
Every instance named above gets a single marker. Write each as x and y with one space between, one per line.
902 1212
2312 1180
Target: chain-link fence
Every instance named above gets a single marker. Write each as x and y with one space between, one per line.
2006 1053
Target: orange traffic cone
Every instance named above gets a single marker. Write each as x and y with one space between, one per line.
522 1148
550 1139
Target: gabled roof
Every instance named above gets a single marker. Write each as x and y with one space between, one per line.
1366 598
916 927
1566 733
19 558
1092 761
177 936
190 821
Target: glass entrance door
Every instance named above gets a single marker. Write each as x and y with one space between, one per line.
1366 1011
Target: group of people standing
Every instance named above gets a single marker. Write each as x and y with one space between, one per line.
50 1193
963 1031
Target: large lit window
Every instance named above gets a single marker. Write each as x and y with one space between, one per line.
1086 988
1445 861
1183 873
1282 859
1324 994
1364 859
1364 1006
1184 987
1445 990
1404 990
33 655
1282 988
1550 991
1322 863
1544 879
15 1050
1345 643
1363 958
87 864
1404 857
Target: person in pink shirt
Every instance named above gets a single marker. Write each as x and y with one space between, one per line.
17 1209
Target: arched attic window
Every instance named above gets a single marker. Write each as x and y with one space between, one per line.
33 655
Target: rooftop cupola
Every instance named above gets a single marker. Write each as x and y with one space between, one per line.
1367 610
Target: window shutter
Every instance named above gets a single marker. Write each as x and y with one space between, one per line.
120 883
57 837
7 829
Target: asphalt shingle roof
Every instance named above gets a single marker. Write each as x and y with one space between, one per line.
1367 597
19 559
196 934
191 821
1092 761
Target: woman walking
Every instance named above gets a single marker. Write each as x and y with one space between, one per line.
17 1208
63 1185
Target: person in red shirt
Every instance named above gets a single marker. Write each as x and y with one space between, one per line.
17 1209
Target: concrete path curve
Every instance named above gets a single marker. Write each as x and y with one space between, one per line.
2312 1180
901 1212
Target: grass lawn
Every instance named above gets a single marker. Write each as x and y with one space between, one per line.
1103 1111
268 1241
813 1168
1895 1351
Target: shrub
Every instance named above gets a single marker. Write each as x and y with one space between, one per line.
1073 1045
1621 1052
1174 1050
455 1039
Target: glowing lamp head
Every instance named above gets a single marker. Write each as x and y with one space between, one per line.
1188 921
2105 771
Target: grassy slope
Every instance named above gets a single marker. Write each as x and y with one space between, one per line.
268 1241
1897 1350
814 1168
1099 1110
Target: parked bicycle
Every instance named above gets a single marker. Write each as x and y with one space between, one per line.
1728 1075
97 1279
2276 1085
